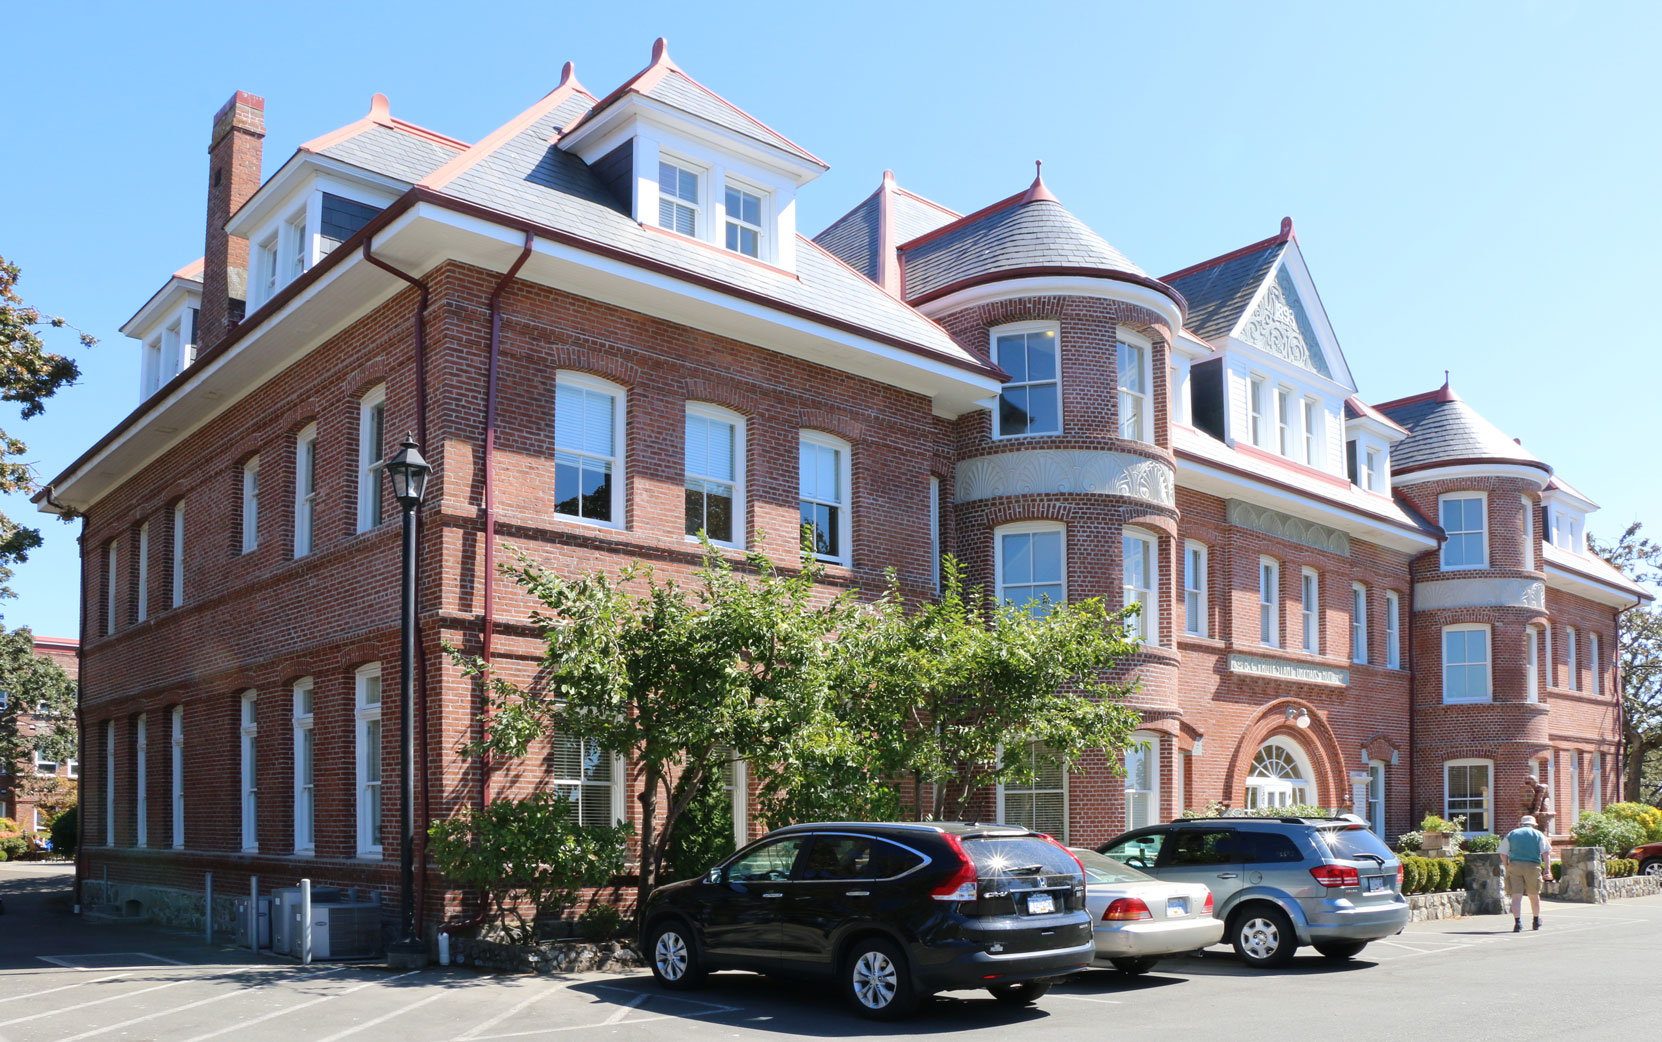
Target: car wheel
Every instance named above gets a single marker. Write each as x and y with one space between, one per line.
876 981
1024 994
1339 951
1135 967
673 955
1653 867
1263 936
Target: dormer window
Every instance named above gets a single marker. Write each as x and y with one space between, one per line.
282 256
677 199
299 246
744 221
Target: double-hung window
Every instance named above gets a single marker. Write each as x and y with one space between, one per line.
372 424
1310 609
677 198
305 490
744 221
714 474
1532 663
1311 432
1547 676
268 267
1031 403
250 732
299 247
1358 622
1269 602
1284 421
588 449
935 531
1038 802
1466 664
588 777
367 701
1393 630
251 504
1140 581
178 575
1528 512
1031 567
1572 659
109 783
141 781
1194 588
1134 389
305 749
1142 780
1462 516
1255 409
1594 661
177 776
1466 792
110 561
823 478
142 566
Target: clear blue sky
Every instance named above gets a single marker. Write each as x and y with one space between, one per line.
1474 185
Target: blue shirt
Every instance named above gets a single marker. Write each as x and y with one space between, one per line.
1525 844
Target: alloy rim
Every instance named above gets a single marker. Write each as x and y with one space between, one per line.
874 980
1260 938
1654 868
670 955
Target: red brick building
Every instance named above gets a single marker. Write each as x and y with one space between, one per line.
605 331
19 799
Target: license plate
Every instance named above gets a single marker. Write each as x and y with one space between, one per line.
1177 906
1040 904
1376 884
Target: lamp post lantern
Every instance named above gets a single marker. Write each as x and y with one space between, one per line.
408 472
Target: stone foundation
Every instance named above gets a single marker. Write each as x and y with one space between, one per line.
1447 904
1632 886
545 956
168 907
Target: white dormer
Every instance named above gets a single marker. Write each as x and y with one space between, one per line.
1564 511
1369 436
691 164
166 328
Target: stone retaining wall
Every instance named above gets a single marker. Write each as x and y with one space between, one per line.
544 956
165 906
1446 904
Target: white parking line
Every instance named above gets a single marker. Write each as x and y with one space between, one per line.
94 1002
190 1005
383 1018
66 987
479 1029
273 1015
69 961
623 1010
616 1019
1086 998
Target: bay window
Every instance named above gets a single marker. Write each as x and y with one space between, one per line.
1031 566
1031 402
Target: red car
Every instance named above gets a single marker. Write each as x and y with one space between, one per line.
1649 857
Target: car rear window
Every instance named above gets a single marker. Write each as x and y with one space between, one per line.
1349 844
1100 868
1258 848
1017 856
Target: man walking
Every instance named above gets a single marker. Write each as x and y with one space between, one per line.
1525 855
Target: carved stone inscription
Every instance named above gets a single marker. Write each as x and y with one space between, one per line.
1303 674
1065 470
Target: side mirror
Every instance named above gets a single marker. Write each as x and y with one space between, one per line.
713 875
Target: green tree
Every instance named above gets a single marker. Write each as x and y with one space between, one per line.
29 374
1639 654
36 685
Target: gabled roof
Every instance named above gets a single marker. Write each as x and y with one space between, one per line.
1356 409
1559 485
1444 430
1028 232
855 238
663 81
1220 290
388 146
186 280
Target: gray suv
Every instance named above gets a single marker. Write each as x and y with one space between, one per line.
1278 883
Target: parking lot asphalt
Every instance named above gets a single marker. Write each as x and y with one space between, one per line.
1592 972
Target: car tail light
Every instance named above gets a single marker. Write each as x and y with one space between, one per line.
960 886
1125 909
1399 877
1207 907
1336 875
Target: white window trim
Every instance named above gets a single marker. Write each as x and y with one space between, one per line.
248 772
143 569
1572 758
1393 630
1269 603
1548 680
43 765
1310 620
740 801
177 775
1310 413
1122 335
364 714
845 478
305 803
1593 660
716 412
1528 531
109 783
1532 663
112 558
1572 658
369 470
1286 431
998 797
1595 782
1442 560
1377 820
1026 528
701 208
992 351
1148 623
178 576
620 441
618 796
1488 801
251 504
1488 661
764 241
935 532
305 499
141 781
1359 623
1196 626
1152 753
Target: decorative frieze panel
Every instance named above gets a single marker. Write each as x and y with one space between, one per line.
1294 671
1480 593
1286 526
1279 325
1042 471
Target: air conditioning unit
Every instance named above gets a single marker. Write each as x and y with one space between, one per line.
285 914
262 917
347 930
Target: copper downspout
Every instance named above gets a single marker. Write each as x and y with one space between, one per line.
488 623
421 666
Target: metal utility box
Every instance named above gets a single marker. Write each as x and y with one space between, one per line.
344 930
285 914
262 919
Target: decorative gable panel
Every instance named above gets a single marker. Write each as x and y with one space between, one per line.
1280 325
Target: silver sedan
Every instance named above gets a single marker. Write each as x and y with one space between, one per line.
1140 918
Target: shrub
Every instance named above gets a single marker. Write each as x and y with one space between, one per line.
13 847
1445 873
1459 880
1483 844
1217 809
1557 871
527 851
703 834
1414 875
600 923
1411 842
1644 815
1615 835
66 832
1438 823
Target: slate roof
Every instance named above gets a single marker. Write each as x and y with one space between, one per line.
1029 230
855 236
395 151
1218 291
1559 484
1356 408
1444 429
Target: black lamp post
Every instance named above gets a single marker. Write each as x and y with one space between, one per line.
408 472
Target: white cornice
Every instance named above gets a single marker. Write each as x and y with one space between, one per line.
178 292
1472 470
281 187
1561 578
1057 286
595 137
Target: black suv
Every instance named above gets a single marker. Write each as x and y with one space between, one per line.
891 911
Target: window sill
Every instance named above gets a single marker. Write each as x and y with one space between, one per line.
368 855
572 519
1027 434
1469 702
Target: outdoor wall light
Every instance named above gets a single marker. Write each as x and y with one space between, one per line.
1299 717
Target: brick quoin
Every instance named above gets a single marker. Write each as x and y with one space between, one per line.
259 621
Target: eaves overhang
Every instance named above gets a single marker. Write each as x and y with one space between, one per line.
163 302
1594 588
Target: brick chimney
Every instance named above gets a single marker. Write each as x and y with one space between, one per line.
233 176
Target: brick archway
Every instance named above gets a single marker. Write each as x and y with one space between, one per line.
1318 744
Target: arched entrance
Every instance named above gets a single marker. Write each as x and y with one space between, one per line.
1280 776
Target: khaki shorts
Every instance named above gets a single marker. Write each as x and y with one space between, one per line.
1523 877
